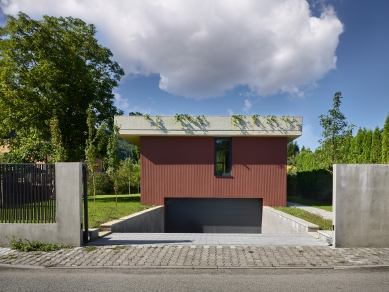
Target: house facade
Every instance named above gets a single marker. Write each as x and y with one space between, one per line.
212 174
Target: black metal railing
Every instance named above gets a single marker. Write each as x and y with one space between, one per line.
27 193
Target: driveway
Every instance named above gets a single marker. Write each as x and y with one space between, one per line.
208 239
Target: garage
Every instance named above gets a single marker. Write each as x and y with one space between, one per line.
212 215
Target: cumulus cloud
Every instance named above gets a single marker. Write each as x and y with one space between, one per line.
203 48
247 105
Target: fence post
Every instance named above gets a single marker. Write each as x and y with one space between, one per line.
68 187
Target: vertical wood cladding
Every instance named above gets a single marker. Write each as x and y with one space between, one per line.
183 167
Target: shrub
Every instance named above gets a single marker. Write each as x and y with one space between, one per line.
103 184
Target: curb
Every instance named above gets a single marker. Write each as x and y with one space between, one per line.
21 266
362 267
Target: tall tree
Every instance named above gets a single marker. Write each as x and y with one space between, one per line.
366 145
376 147
53 70
356 148
113 160
336 135
385 142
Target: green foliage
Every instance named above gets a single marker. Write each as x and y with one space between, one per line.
34 245
315 185
292 151
271 120
291 181
356 147
324 224
337 134
306 160
366 146
385 142
255 119
135 114
107 210
311 203
376 146
103 184
182 118
128 175
126 150
89 248
201 120
237 120
51 71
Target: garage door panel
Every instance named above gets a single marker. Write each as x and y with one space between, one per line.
213 215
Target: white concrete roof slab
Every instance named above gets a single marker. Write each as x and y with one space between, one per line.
133 127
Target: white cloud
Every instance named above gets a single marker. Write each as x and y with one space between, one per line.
230 112
120 102
247 105
203 48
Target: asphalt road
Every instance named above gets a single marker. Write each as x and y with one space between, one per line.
372 279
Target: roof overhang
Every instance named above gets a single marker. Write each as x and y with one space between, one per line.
133 127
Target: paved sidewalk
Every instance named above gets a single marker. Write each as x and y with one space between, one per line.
323 213
208 239
199 257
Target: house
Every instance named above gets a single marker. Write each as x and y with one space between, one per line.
213 174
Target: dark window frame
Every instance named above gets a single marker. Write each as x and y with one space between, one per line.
230 158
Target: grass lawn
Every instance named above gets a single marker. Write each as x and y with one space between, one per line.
311 203
324 224
105 209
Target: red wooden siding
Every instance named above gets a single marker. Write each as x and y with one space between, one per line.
183 167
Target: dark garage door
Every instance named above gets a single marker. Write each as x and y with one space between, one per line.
213 215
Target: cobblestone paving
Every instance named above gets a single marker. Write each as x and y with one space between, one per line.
200 257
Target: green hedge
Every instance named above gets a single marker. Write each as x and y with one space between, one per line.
315 185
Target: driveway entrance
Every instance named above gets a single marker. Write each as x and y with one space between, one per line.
208 239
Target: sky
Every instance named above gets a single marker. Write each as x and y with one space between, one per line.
224 57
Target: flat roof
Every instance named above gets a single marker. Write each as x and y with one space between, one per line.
133 127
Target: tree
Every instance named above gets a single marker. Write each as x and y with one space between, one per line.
93 146
337 134
128 175
53 70
292 151
376 147
306 161
356 147
385 142
366 146
113 160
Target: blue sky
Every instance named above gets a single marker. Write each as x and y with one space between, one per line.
228 65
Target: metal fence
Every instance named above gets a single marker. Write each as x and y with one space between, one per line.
27 193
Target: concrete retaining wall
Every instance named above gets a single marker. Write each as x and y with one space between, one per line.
150 220
67 229
274 221
361 205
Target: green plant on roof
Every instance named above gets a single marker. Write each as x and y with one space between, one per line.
181 118
237 120
200 120
271 120
157 121
147 117
255 119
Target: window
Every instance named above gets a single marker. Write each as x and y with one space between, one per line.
223 156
